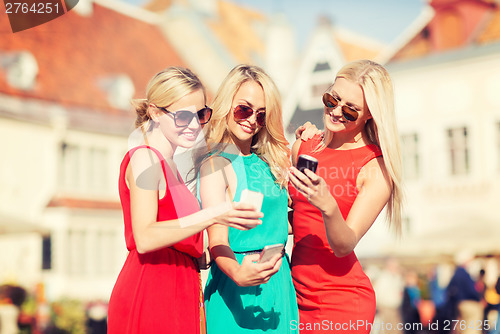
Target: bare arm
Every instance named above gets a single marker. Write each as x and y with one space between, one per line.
213 193
374 192
295 151
150 234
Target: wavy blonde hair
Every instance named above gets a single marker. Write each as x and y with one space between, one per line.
269 143
382 130
165 88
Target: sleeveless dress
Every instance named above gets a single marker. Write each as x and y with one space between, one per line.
334 294
159 291
265 308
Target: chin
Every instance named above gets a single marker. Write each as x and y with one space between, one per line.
335 127
187 143
244 136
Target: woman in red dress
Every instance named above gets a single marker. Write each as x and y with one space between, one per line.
158 289
359 173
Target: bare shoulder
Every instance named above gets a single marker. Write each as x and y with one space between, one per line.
144 169
144 157
374 172
213 181
213 165
215 173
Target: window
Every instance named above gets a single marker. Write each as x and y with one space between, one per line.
104 252
84 169
46 253
71 166
498 146
410 156
322 67
76 254
21 69
91 252
321 80
458 150
97 169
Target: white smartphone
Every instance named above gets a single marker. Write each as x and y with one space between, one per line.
270 251
252 197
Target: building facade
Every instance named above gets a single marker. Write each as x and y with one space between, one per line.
65 116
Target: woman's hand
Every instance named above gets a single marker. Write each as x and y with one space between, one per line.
307 131
314 188
252 273
241 216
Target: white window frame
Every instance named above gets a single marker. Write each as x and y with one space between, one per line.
411 156
459 151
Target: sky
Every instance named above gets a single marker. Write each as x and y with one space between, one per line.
381 20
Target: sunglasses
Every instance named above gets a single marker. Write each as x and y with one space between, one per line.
183 118
242 112
349 113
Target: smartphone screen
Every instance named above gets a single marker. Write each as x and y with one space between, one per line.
305 161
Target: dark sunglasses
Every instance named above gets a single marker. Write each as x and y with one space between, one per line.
183 118
349 113
242 112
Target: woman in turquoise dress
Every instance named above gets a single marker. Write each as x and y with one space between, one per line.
248 151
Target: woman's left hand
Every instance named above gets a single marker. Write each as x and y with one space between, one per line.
307 131
313 187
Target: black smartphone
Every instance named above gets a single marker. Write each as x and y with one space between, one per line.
305 161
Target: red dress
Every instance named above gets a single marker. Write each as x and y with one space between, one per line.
334 294
159 291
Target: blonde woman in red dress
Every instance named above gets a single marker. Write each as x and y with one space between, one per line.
359 173
158 289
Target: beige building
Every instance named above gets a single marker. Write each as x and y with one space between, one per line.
65 116
446 72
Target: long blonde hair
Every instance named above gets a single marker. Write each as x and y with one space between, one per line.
165 88
382 130
269 143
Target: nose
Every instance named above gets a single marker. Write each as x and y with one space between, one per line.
335 111
195 123
338 110
252 119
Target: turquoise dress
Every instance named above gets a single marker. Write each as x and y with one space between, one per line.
265 308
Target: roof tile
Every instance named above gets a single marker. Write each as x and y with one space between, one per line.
455 24
74 53
235 27
78 203
491 33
